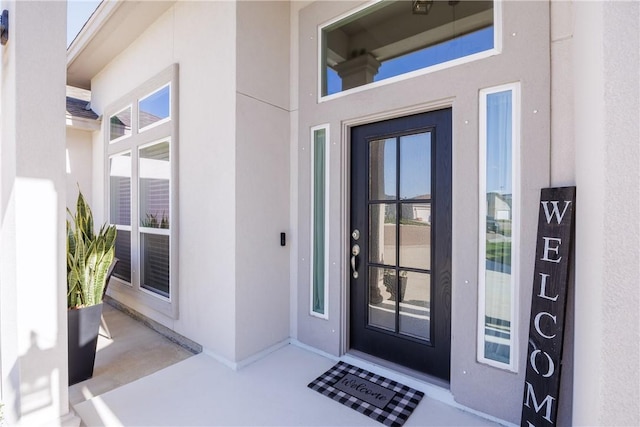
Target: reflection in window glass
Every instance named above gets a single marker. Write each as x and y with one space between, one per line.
155 174
382 167
381 303
415 166
496 234
415 235
319 152
120 125
123 253
388 39
154 108
120 211
154 263
414 291
154 210
382 233
120 189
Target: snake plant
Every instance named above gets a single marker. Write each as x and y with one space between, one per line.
89 256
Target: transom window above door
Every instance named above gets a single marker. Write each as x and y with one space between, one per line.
394 38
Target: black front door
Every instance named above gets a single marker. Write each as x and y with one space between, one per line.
401 241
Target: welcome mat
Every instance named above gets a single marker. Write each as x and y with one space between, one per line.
384 400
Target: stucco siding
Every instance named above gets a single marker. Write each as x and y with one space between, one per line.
79 161
262 176
262 213
200 38
33 315
607 59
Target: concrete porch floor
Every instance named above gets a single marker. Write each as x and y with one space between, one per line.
165 385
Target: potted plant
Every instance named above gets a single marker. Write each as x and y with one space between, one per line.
89 258
389 281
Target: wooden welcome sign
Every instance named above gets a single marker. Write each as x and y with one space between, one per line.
546 328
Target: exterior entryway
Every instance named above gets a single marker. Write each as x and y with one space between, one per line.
400 289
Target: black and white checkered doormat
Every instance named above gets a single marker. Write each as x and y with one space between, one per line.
384 400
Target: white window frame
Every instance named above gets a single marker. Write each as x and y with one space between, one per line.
515 224
496 50
327 144
165 130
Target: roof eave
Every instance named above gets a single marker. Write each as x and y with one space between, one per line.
111 29
82 123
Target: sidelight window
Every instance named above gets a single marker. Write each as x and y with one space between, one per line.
499 225
319 208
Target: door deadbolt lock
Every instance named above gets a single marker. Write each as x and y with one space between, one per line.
355 234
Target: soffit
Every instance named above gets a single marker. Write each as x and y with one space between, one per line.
110 30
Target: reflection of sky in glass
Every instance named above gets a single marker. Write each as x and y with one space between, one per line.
415 160
156 104
499 122
415 166
459 47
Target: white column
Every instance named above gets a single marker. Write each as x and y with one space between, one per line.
607 140
33 333
358 71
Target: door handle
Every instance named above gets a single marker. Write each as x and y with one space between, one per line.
355 251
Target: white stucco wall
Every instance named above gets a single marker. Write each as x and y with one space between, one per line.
200 37
233 167
563 166
262 176
607 320
33 314
79 161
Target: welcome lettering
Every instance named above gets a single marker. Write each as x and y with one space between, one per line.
546 329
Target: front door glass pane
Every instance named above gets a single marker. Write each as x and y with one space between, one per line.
414 291
400 234
382 233
415 166
382 166
415 235
382 309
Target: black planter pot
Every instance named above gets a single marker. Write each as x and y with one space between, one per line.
83 326
389 281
